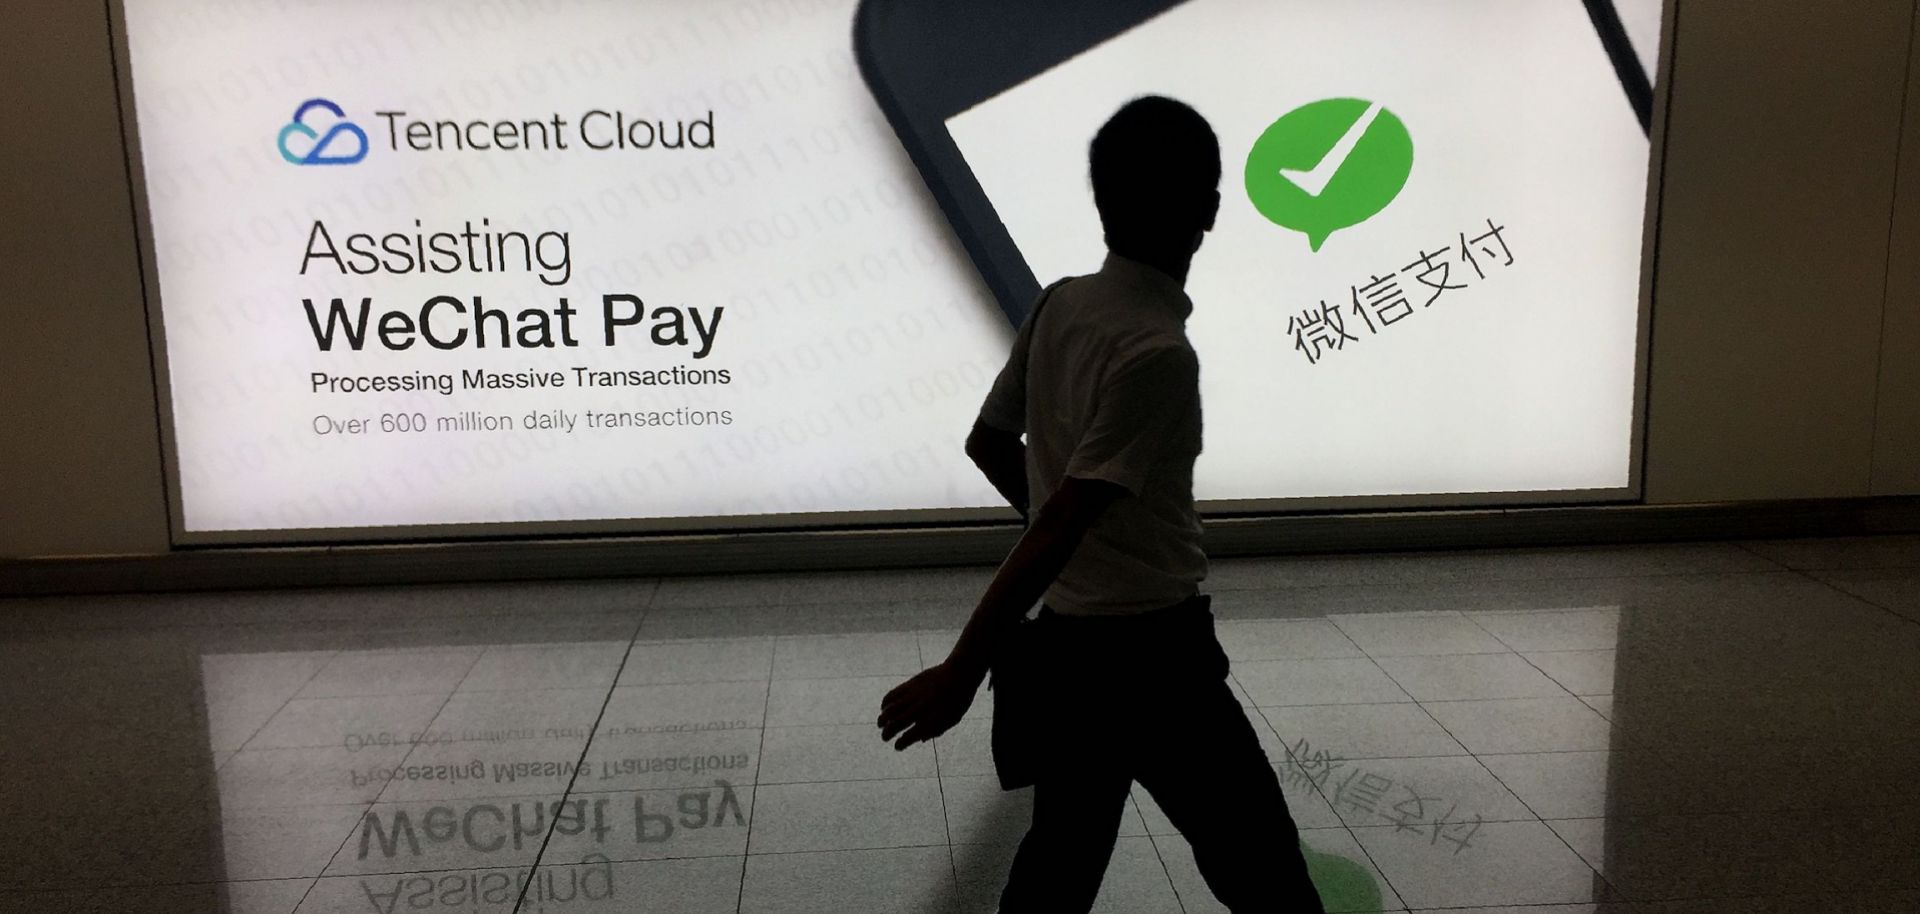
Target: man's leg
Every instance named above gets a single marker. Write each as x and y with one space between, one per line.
1213 781
1076 817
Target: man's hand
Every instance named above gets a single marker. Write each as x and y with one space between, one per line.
928 704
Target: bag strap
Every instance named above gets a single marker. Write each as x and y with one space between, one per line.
1046 295
1033 324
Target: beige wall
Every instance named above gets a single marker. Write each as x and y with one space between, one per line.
1770 375
1896 452
1773 248
79 446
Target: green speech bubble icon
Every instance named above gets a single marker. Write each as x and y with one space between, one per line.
1329 165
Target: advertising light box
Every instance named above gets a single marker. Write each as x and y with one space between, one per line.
445 268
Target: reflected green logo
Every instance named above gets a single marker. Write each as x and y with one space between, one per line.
1328 166
1343 884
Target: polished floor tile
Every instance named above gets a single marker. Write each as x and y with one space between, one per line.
712 819
1848 552
1790 776
231 722
1583 673
486 891
1285 640
685 706
1347 880
1585 837
1363 731
358 673
433 835
734 660
469 771
967 749
688 885
1458 677
1677 856
558 666
1512 725
1305 805
253 897
1896 590
1482 864
278 844
848 815
279 778
839 753
311 723
658 760
1556 785
1555 630
844 656
1136 879
1485 565
1420 794
1356 680
824 702
261 676
829 589
902 880
1416 633
978 812
539 714
1671 729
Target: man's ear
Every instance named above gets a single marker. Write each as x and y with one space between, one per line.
1213 211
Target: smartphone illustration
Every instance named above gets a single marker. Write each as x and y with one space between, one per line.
985 95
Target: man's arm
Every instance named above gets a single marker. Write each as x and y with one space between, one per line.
1002 458
1142 405
930 703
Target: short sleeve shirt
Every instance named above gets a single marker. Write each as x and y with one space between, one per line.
1105 385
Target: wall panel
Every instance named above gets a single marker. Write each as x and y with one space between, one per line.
79 444
1896 451
1767 309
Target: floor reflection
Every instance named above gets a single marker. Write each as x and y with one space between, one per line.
1661 729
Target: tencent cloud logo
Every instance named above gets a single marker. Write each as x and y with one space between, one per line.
344 143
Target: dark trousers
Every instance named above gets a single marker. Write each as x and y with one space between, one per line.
1115 700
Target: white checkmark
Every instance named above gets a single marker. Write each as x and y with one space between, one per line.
1316 181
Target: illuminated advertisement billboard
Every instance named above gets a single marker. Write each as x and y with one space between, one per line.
436 268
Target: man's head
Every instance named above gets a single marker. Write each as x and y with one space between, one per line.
1156 176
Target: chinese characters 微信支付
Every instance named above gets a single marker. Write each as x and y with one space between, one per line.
1385 301
1362 793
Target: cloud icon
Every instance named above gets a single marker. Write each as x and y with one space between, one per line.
319 147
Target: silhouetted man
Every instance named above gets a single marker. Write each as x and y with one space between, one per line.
1120 678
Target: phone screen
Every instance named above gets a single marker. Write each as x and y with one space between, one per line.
1426 272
